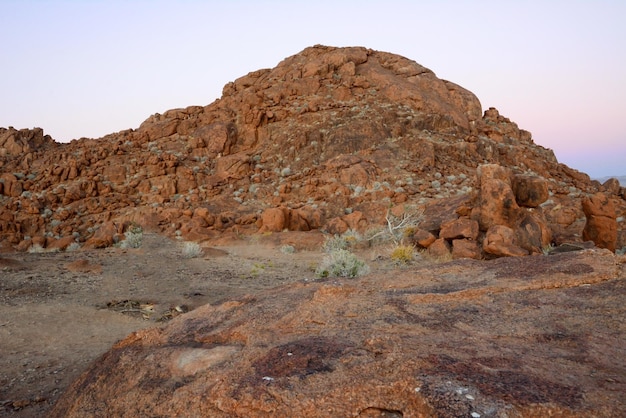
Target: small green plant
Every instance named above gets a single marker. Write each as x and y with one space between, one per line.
191 249
402 254
287 249
547 249
73 247
258 268
341 263
334 243
134 238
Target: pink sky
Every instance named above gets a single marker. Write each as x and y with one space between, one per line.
89 68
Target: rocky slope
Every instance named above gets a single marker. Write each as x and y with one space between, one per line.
329 139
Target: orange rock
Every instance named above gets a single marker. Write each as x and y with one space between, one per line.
423 238
466 248
355 221
501 241
440 248
601 225
273 220
530 191
61 243
496 204
459 228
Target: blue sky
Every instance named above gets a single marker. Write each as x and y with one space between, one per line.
89 68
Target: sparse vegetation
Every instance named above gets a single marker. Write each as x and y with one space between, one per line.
335 243
341 263
134 238
547 249
259 267
73 247
287 249
402 254
36 249
191 249
397 228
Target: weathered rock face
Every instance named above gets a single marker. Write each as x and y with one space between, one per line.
330 129
504 337
24 141
601 225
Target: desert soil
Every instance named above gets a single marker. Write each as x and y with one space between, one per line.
60 311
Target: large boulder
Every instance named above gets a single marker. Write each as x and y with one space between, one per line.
501 241
601 225
496 203
530 191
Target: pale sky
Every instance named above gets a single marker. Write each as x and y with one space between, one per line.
89 68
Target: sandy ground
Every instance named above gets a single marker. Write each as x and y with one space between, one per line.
60 311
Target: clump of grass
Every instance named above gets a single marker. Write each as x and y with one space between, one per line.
402 254
341 263
191 249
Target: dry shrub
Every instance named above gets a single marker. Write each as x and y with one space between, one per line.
402 254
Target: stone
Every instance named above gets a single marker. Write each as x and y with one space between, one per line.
466 248
305 219
486 172
601 225
440 248
530 191
496 204
422 238
439 211
61 243
105 236
336 226
355 221
273 220
532 232
459 228
501 241
612 186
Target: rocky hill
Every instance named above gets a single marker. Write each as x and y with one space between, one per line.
331 139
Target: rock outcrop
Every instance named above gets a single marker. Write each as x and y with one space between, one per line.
327 132
601 225
504 337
